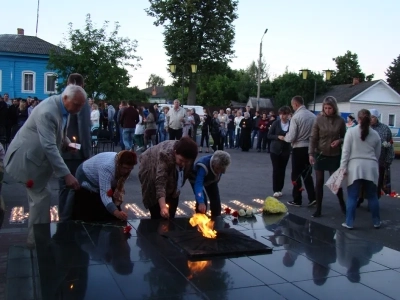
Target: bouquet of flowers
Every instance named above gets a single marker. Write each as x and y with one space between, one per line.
386 144
335 181
274 206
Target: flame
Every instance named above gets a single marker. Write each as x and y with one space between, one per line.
74 138
196 267
204 225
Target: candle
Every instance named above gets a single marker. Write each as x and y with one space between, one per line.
74 144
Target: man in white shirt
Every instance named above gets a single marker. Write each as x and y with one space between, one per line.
175 121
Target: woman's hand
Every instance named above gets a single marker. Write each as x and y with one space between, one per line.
311 159
202 208
335 144
164 212
281 137
120 215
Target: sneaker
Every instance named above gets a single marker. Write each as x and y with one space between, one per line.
377 226
293 203
347 226
311 203
280 194
276 194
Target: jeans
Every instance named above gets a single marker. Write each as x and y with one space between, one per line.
237 141
230 136
253 134
128 137
162 133
262 137
352 198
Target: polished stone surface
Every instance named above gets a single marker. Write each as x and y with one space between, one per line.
309 261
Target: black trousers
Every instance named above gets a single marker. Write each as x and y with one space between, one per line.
279 163
218 141
301 168
173 205
175 134
262 136
204 137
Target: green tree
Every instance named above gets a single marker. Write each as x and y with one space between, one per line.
101 57
133 93
196 32
347 68
252 70
290 84
393 74
155 80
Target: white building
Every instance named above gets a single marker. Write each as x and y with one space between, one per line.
369 94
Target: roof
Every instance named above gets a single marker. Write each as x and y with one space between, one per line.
18 43
346 92
156 92
263 103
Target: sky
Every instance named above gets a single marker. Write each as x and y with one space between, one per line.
301 34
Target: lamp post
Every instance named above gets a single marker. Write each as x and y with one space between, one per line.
305 72
172 68
259 70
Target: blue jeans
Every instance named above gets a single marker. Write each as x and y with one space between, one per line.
111 129
353 192
253 134
129 138
230 134
121 138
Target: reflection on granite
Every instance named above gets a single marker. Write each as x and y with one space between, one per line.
309 260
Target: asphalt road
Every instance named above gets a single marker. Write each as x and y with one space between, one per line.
248 178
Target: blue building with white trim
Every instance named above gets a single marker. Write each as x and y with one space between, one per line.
23 66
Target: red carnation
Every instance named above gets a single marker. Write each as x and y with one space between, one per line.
227 210
294 183
235 214
29 183
393 194
110 193
127 229
301 189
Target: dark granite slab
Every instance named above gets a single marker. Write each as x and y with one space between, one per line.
309 261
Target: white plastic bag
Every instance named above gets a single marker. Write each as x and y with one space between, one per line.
335 181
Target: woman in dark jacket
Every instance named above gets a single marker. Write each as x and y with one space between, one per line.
205 132
280 150
246 126
215 130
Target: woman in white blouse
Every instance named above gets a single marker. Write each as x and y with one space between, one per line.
237 120
360 154
95 116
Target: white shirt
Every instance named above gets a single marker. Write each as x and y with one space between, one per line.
95 117
140 126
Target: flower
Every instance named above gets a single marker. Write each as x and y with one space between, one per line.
386 144
294 183
110 193
127 229
29 183
274 206
249 212
235 214
393 194
227 210
242 212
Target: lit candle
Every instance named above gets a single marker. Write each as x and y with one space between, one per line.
74 144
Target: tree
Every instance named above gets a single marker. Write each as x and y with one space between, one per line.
155 80
133 93
196 32
252 70
393 74
347 68
101 57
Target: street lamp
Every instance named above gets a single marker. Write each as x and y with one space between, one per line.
304 73
259 70
172 68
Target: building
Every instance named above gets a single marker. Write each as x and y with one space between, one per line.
157 94
263 104
369 94
23 66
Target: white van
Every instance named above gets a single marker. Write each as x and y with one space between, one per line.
198 108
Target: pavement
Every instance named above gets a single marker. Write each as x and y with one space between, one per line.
247 182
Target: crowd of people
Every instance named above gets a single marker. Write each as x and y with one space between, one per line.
93 188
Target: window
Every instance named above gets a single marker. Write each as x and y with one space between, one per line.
1 79
28 82
392 120
50 83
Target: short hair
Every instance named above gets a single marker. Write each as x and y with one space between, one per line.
284 110
187 148
298 99
215 112
246 114
127 158
166 108
221 158
71 90
77 79
131 103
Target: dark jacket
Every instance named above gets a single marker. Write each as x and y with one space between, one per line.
278 147
129 117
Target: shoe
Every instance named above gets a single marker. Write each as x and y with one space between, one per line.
311 203
276 194
280 194
293 203
377 226
317 214
200 151
347 226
